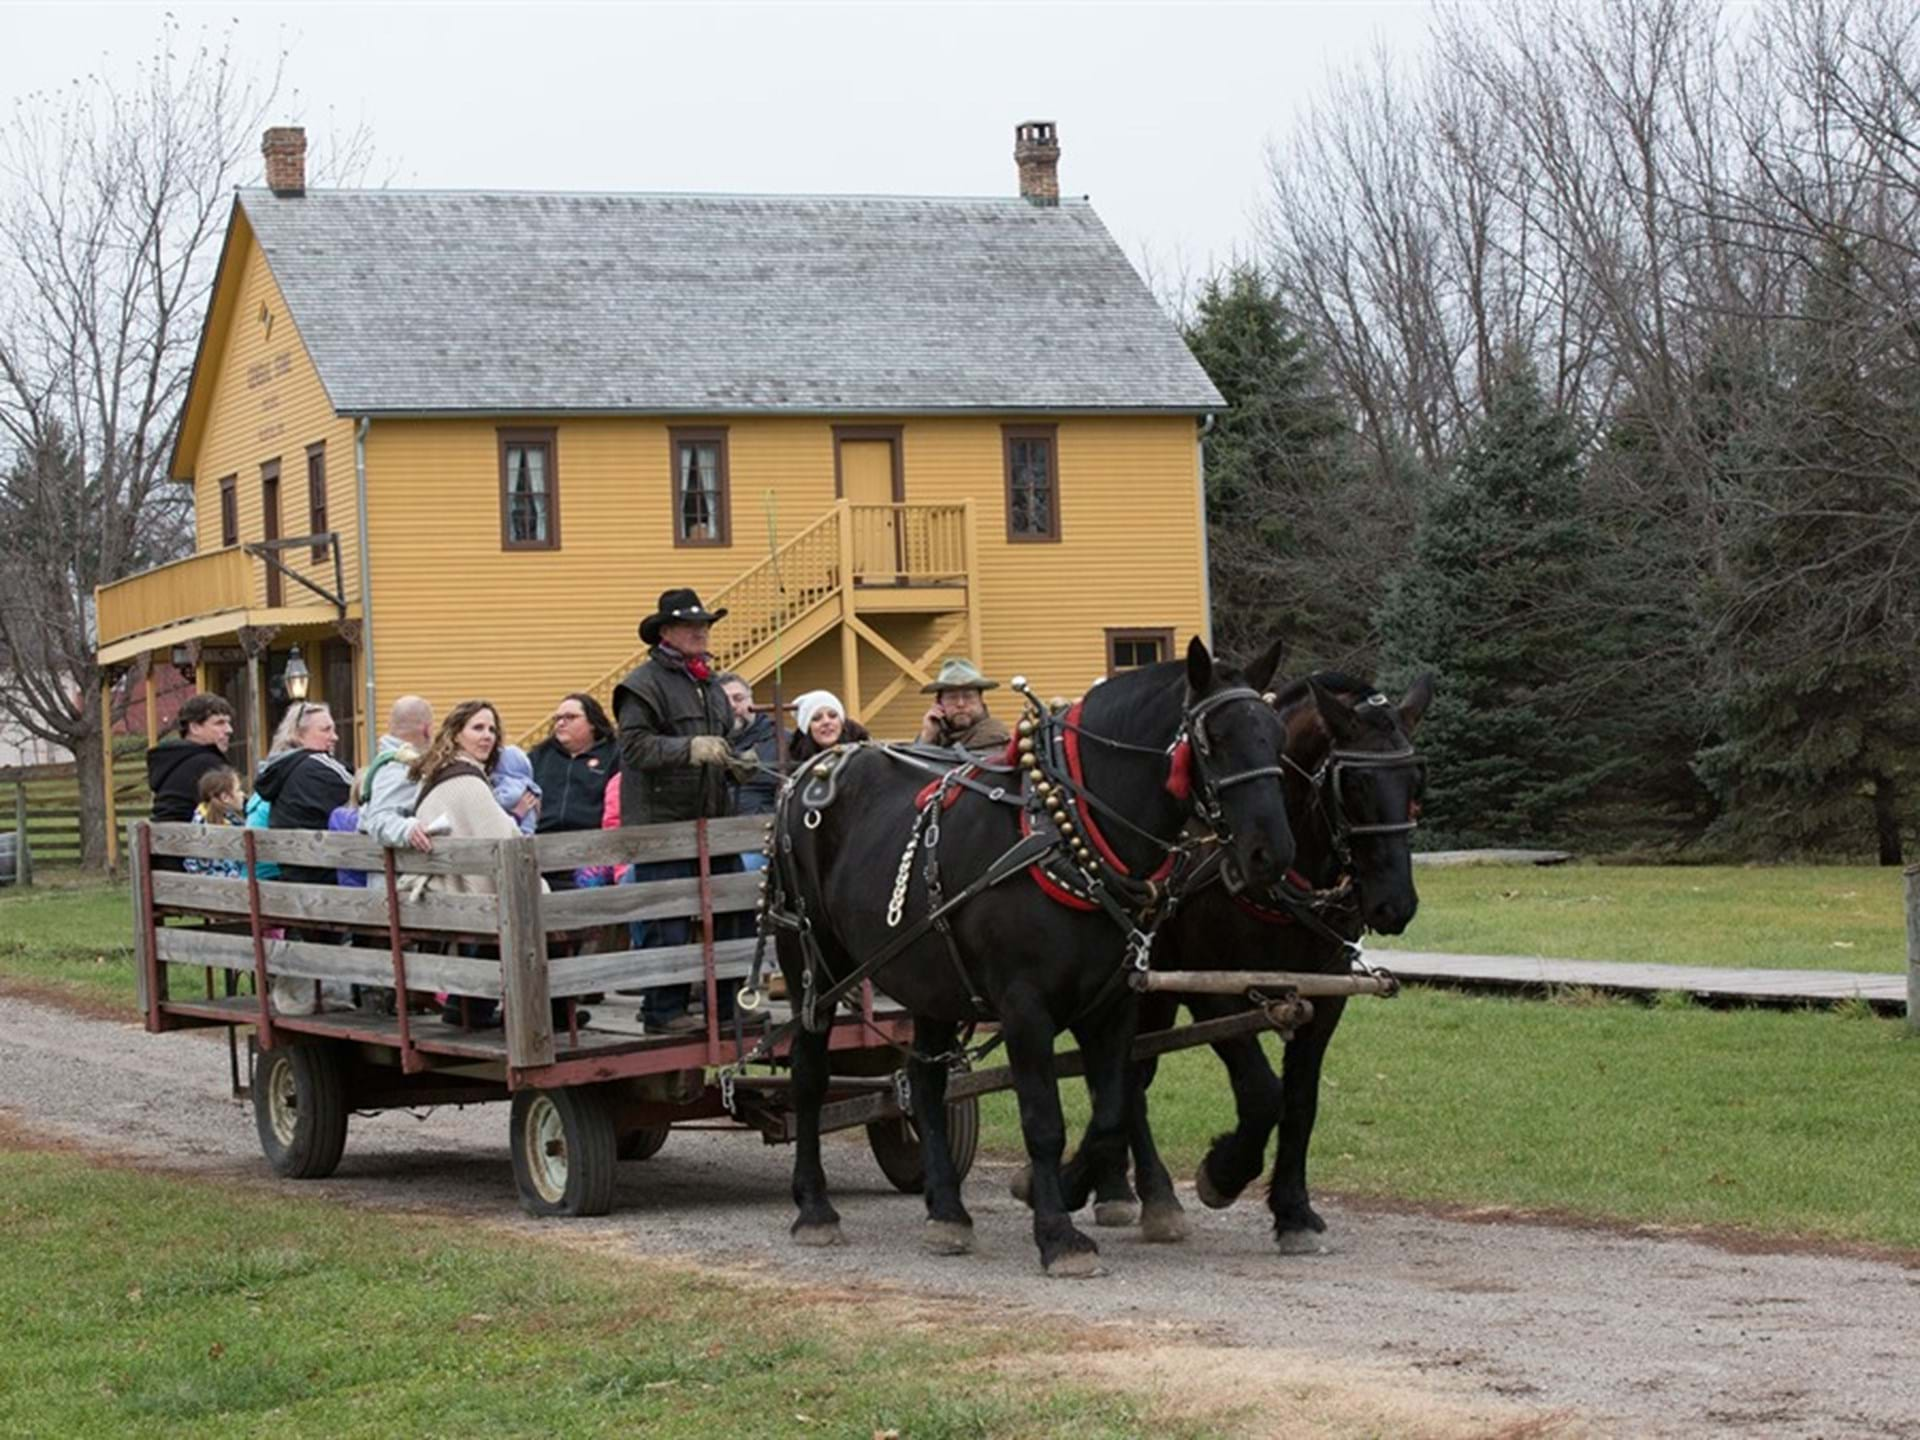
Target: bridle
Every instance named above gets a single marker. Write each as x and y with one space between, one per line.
1328 779
1193 737
1193 729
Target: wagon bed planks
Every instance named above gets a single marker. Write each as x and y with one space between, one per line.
1885 992
429 1035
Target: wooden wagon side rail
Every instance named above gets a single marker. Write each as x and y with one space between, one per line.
518 916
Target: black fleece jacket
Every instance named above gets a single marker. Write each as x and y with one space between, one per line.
174 768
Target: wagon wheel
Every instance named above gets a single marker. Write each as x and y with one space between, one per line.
643 1144
300 1108
896 1145
563 1151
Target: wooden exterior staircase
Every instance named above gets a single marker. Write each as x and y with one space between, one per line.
853 560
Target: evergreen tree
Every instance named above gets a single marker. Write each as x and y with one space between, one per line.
1491 602
1294 531
1819 681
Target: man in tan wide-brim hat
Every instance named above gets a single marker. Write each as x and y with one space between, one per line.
958 715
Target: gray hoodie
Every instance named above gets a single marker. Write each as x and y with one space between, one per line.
386 811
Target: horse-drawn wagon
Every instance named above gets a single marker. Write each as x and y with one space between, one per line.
582 1096
1200 759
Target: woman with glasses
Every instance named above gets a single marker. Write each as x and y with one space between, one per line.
572 767
303 783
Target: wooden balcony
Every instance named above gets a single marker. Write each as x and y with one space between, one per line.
210 593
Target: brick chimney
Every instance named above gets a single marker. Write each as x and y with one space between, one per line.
1036 150
285 149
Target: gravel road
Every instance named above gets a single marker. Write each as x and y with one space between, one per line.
1489 1327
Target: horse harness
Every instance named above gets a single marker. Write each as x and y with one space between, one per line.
1061 845
1296 900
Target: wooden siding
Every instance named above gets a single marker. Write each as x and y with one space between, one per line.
267 403
456 616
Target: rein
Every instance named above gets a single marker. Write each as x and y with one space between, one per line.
1056 827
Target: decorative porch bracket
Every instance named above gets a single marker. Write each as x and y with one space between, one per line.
267 550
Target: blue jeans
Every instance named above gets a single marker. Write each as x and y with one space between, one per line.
664 1002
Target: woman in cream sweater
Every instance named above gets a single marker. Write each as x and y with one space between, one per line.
455 776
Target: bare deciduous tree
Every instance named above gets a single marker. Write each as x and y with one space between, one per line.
113 199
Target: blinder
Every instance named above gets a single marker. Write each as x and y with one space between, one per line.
1342 763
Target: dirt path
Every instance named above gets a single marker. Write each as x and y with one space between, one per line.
1441 1326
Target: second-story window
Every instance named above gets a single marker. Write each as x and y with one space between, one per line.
529 491
700 499
230 510
1033 483
317 495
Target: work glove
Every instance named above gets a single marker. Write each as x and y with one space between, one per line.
742 766
708 750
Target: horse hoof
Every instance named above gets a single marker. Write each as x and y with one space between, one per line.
947 1237
818 1237
1301 1242
1164 1225
1210 1197
1021 1186
1115 1214
1080 1265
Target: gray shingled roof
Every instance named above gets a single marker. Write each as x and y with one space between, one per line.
450 301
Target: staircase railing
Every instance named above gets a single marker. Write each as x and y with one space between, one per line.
873 545
759 603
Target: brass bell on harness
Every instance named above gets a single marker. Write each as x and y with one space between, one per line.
1034 774
823 770
1066 827
1026 733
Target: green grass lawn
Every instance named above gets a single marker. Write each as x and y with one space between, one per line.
139 1305
1814 917
1784 1122
70 933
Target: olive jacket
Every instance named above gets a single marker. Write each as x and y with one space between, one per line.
659 708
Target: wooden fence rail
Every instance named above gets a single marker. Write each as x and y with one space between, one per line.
46 803
508 911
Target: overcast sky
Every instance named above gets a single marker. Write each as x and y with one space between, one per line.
1164 110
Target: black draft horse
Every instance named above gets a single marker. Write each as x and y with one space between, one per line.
1018 956
1353 786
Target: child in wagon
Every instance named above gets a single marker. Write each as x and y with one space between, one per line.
222 802
515 788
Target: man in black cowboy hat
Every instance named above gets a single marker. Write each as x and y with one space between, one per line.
674 762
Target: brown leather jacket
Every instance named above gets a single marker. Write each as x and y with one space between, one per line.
659 708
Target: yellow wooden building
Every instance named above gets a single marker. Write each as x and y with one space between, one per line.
456 443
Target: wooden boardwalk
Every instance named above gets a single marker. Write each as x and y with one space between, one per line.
1886 993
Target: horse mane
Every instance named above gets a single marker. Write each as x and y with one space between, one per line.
1338 681
1153 681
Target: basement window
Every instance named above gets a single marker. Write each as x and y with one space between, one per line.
529 491
1130 649
701 501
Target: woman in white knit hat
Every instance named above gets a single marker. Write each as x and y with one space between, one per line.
821 723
